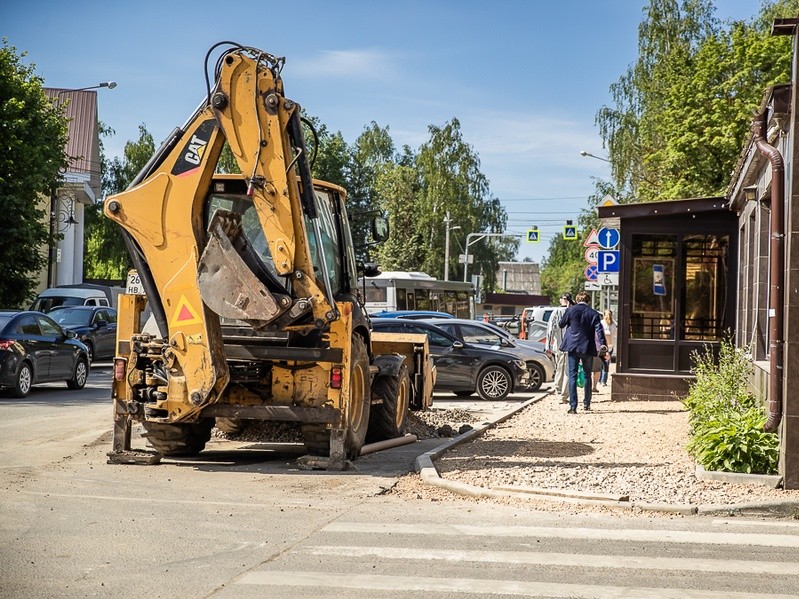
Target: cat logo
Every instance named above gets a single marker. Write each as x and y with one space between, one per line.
196 150
193 152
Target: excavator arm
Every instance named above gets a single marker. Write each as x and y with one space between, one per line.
197 274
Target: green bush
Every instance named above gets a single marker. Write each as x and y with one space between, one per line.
725 419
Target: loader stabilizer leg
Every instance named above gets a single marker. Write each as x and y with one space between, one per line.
121 452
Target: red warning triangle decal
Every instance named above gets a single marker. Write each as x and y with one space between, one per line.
185 313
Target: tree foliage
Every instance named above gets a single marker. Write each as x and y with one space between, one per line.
105 255
681 114
415 190
34 134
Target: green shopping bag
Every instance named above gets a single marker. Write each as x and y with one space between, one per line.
580 375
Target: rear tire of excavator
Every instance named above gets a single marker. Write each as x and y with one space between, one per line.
178 439
317 436
388 419
360 399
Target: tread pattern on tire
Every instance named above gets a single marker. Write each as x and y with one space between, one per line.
384 420
356 435
179 438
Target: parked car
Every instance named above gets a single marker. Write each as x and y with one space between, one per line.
539 366
95 326
34 349
82 294
461 367
411 314
537 331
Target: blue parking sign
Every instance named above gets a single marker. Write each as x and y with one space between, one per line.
607 261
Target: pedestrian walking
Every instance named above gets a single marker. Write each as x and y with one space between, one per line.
610 327
553 343
583 336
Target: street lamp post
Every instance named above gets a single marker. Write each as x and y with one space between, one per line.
479 236
590 155
447 221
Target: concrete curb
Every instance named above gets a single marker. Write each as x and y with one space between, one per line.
429 474
773 481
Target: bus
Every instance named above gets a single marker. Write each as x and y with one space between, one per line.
399 290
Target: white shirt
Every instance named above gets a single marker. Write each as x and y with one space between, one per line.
610 333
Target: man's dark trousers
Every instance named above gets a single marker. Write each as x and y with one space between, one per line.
587 361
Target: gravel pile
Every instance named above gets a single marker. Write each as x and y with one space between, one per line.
633 449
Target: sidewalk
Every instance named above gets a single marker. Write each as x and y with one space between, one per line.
626 455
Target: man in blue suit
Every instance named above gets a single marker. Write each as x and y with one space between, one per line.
581 340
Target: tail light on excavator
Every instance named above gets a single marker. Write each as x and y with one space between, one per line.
336 377
120 367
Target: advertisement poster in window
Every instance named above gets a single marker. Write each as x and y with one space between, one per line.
653 286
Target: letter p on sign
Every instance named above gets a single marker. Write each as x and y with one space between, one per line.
608 261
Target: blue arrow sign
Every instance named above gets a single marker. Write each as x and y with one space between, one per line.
607 261
608 238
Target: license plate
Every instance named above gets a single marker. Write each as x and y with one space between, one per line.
134 286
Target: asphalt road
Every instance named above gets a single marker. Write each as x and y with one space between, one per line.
250 524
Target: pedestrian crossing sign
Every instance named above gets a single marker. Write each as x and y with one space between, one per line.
533 236
570 232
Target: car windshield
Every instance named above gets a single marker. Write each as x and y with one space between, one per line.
71 317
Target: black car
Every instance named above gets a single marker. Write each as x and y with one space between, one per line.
34 349
463 368
96 326
484 334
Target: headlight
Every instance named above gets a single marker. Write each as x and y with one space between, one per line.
521 364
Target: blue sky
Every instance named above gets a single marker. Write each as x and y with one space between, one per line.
524 78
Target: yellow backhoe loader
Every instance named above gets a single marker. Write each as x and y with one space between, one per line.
252 284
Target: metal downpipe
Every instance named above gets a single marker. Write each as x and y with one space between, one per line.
776 271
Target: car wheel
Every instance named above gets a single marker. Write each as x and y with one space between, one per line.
493 383
536 376
79 376
24 381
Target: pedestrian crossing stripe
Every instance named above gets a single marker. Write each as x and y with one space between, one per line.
185 313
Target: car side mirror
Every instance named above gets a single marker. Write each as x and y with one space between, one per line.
71 335
506 343
100 323
458 345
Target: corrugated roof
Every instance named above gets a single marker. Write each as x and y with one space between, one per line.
83 146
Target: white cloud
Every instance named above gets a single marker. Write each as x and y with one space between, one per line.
361 64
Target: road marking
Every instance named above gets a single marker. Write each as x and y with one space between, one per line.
559 559
519 588
638 535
